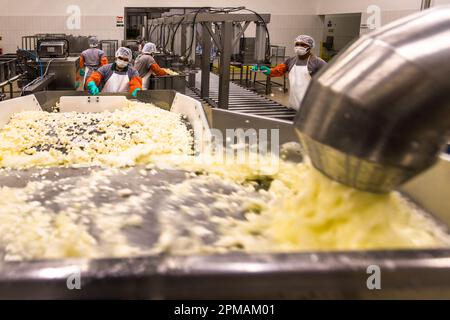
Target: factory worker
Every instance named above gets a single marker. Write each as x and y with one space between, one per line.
301 68
91 59
119 76
140 43
146 65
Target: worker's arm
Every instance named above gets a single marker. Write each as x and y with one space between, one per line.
81 66
81 62
158 70
95 76
93 82
279 70
104 61
135 83
316 64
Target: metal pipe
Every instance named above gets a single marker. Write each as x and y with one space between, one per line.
260 43
225 60
10 83
206 59
426 4
379 114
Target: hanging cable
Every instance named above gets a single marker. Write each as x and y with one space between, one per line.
175 32
189 49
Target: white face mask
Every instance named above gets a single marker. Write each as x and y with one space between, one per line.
121 63
301 51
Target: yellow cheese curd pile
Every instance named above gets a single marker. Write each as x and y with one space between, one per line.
305 211
30 229
297 210
170 72
308 212
118 138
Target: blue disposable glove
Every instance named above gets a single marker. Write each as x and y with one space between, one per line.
93 89
265 70
82 72
134 94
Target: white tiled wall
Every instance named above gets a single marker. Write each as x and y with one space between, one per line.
283 28
345 28
387 17
12 28
289 17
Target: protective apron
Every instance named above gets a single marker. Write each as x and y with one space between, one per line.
146 80
117 83
299 79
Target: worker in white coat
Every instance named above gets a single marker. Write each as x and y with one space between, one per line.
146 65
301 68
119 76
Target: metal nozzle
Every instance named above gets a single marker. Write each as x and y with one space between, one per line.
379 114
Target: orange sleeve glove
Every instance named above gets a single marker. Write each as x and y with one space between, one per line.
96 77
103 61
81 62
157 70
279 70
135 83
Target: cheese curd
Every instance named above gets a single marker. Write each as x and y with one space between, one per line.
265 206
301 210
170 72
118 138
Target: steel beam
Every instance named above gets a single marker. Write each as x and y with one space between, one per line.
225 59
206 59
211 17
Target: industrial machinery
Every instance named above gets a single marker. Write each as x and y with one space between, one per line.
51 61
76 44
50 66
344 105
405 273
8 74
177 36
54 48
380 113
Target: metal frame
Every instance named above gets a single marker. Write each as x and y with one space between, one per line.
10 83
223 37
113 46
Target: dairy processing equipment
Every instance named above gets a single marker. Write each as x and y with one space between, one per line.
338 111
406 273
178 36
379 114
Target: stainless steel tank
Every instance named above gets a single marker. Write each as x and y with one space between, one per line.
379 114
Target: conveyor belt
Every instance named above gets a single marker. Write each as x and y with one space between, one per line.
244 101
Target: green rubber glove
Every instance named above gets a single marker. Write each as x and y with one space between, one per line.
254 68
93 89
134 94
82 72
265 70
